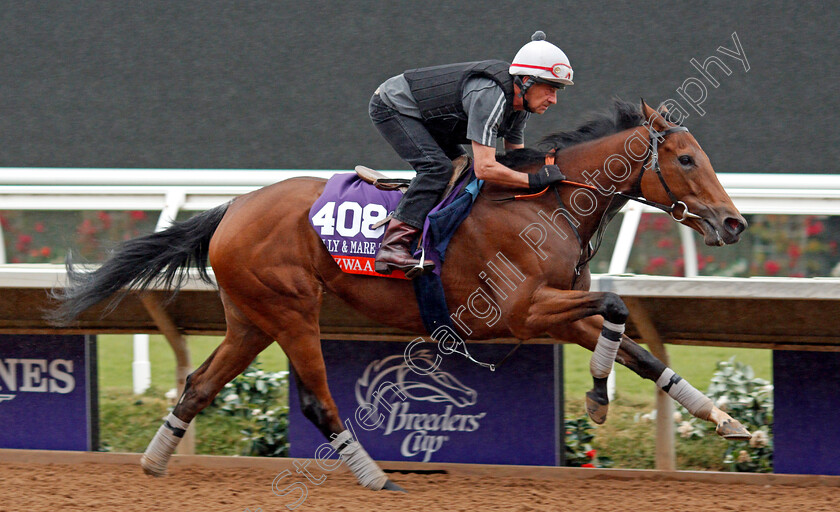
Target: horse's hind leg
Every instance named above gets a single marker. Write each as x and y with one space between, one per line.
243 341
316 403
288 310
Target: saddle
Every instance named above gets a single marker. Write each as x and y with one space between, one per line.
354 247
460 165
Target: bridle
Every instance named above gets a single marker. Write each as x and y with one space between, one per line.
652 158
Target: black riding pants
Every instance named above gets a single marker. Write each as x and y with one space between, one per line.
430 156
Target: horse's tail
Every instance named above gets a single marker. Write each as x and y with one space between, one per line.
162 258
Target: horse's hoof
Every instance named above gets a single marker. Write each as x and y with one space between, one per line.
596 409
732 430
391 486
151 469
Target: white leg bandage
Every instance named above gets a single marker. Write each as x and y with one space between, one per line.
684 393
168 436
359 462
605 351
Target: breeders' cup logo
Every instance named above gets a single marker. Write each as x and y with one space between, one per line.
390 386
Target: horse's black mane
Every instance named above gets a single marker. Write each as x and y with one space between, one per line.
623 116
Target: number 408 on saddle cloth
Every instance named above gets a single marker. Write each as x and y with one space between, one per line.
344 217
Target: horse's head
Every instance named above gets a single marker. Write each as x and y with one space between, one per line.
685 175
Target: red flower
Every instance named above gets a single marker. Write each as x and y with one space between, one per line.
661 223
591 454
46 251
794 252
23 242
86 228
4 222
665 243
587 465
644 223
105 218
137 214
815 229
771 267
39 227
797 274
656 261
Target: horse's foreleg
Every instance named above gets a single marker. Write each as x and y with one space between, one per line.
552 307
643 363
241 345
699 405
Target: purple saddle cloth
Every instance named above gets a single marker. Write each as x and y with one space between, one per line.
345 214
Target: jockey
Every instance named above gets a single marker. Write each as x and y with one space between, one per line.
427 113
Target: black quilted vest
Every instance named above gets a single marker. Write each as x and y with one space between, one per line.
439 92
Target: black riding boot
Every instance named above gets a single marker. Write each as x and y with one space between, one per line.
394 253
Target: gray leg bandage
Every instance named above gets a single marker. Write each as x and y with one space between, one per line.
168 436
605 351
359 462
684 393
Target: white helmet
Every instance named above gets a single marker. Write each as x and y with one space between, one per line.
543 61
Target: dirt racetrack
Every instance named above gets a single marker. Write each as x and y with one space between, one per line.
122 487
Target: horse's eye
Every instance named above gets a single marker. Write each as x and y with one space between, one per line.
686 160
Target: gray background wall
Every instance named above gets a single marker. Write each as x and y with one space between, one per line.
281 84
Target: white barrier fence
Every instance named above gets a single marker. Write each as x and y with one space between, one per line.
170 191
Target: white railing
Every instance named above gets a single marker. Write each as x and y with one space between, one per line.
170 191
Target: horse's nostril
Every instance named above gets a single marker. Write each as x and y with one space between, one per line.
735 226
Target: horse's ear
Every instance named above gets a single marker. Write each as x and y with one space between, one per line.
652 117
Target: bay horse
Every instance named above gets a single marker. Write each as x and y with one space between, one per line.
272 270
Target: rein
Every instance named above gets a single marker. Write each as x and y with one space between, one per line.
653 158
588 252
